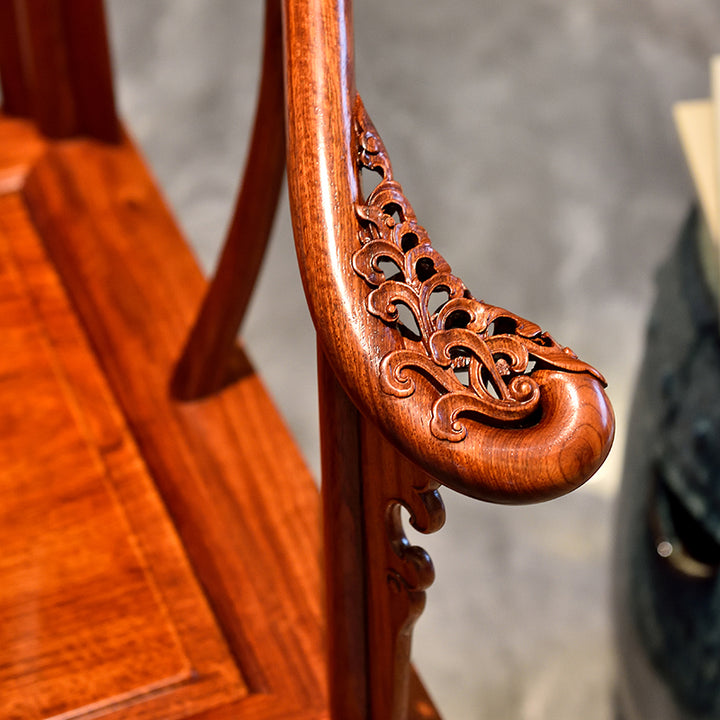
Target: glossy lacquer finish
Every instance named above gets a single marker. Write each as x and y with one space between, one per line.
161 533
531 421
160 559
209 360
100 608
452 390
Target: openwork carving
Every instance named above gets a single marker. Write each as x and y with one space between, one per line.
479 357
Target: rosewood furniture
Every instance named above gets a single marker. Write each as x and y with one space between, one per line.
160 532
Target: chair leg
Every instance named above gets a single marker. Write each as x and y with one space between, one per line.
206 364
375 580
343 536
398 573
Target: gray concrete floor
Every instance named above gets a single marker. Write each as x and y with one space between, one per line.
535 141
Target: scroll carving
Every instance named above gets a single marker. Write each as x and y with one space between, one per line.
479 357
410 570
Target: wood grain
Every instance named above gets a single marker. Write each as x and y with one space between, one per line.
373 596
398 573
496 457
530 422
216 462
220 461
209 360
345 554
100 609
66 68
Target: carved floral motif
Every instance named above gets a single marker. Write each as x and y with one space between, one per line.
478 356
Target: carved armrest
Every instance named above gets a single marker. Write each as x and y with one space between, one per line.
481 399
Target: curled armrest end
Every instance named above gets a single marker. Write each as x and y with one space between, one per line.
480 398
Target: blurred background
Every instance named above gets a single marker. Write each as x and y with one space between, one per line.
536 144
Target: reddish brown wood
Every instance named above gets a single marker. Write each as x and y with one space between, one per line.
344 549
42 42
209 360
90 67
20 146
551 427
100 608
66 64
218 463
16 96
374 580
233 482
530 422
398 573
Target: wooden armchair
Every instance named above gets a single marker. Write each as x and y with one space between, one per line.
161 533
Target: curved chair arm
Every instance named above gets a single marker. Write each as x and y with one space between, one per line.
478 397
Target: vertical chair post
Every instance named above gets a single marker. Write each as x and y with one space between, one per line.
375 579
477 397
397 572
343 536
16 97
60 72
88 54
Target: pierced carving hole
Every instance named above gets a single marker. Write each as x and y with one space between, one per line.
424 268
437 299
402 531
489 384
370 178
394 211
462 373
504 326
389 269
407 323
530 367
490 329
457 319
409 241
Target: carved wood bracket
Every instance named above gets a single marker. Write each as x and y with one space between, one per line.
398 572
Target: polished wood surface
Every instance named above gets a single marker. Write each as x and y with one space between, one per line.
100 608
344 548
460 392
217 462
243 502
374 580
57 66
398 573
15 91
209 360
533 421
177 546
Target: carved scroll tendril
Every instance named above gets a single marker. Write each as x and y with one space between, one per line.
411 570
479 357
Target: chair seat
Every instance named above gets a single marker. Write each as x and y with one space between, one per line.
171 550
